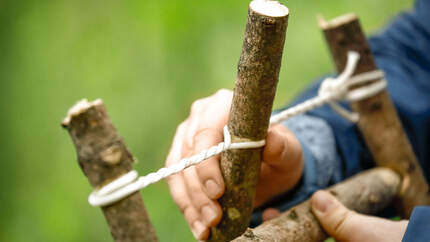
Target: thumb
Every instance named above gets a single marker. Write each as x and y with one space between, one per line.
333 216
346 225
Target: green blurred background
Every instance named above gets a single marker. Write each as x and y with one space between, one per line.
148 60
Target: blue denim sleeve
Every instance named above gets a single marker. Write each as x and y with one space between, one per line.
419 226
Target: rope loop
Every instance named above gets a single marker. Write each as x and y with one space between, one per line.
337 89
130 183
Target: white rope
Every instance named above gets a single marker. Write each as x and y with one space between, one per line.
332 90
130 183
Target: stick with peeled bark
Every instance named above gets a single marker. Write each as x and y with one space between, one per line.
254 91
367 192
379 122
103 157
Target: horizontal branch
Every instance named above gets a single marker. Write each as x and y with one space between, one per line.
367 192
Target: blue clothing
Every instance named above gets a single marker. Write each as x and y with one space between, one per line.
402 51
418 228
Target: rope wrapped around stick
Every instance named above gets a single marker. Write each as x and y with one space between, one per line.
332 90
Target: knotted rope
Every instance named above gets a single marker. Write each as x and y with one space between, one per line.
332 90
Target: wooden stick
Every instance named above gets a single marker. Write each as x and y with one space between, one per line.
379 122
367 192
254 91
103 157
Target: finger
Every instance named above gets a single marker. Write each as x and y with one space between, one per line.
282 164
178 190
282 148
209 113
209 172
183 144
346 225
199 230
178 187
180 196
177 147
209 210
176 183
205 131
270 213
333 216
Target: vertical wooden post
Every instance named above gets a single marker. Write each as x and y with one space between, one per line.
379 122
254 91
103 157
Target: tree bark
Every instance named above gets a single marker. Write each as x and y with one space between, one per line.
254 91
379 122
367 192
103 157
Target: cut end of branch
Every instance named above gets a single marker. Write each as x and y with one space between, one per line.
336 22
80 107
269 8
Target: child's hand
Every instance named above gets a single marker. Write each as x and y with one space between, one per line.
196 189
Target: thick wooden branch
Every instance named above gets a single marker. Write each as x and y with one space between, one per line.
103 156
379 122
254 91
367 192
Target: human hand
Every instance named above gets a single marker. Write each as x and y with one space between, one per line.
197 188
346 225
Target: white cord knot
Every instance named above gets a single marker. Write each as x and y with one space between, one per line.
227 138
338 87
334 90
331 87
240 145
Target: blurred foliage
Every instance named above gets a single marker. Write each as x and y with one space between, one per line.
148 60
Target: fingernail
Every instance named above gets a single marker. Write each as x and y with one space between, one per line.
212 188
209 214
198 229
322 201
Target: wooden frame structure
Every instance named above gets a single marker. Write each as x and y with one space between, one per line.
103 155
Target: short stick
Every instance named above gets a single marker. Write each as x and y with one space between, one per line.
103 157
